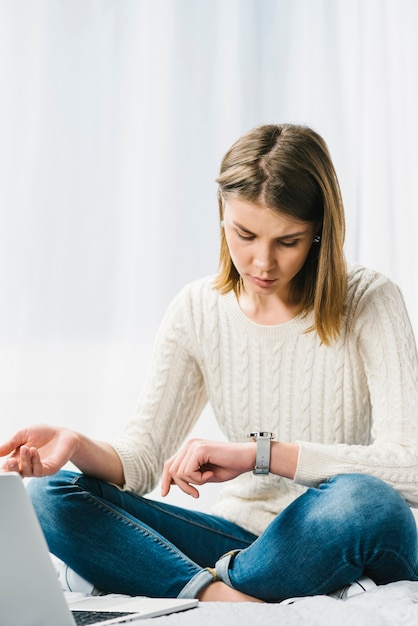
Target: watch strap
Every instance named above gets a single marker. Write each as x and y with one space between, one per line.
262 462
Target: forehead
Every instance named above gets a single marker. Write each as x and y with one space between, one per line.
255 215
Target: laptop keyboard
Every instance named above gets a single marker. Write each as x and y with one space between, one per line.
95 617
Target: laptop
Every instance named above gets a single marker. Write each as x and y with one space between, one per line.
30 592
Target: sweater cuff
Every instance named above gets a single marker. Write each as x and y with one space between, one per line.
129 469
315 464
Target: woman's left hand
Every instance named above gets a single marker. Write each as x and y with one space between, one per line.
202 461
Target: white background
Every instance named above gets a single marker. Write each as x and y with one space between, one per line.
114 116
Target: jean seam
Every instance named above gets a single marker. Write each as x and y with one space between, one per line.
154 505
128 521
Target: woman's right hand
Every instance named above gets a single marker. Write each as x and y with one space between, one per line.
39 450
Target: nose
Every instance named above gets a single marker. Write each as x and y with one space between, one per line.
263 257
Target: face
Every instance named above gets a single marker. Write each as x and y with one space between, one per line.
267 248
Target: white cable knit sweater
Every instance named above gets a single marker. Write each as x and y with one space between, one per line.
352 406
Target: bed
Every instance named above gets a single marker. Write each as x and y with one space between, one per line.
395 604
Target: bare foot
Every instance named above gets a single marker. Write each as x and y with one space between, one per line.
221 592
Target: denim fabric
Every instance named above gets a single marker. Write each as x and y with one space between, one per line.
352 524
124 543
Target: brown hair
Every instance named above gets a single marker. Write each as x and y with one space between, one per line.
289 169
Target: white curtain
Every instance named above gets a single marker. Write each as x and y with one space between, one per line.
114 116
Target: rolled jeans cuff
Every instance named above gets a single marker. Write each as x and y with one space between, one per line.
196 584
224 564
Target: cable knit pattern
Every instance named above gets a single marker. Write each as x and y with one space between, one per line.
352 406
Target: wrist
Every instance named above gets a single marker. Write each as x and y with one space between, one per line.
252 446
284 458
263 444
78 442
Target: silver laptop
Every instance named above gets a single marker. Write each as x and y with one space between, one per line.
30 592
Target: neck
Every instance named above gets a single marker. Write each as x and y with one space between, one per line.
267 310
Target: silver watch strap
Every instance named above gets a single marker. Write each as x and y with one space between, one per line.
262 462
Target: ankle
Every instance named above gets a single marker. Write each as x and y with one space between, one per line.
218 591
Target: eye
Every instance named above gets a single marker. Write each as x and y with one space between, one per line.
244 237
288 244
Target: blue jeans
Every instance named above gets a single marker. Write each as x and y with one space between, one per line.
351 525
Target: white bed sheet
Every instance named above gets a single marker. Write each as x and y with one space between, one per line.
395 604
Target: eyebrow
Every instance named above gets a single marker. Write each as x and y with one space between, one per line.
290 236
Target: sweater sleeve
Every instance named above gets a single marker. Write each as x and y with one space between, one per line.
171 401
386 344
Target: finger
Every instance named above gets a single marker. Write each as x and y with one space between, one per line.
172 476
186 487
25 462
190 465
14 443
165 483
6 448
206 476
11 465
38 468
183 479
170 469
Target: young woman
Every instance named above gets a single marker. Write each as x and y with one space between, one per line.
311 370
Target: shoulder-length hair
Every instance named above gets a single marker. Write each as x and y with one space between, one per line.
289 169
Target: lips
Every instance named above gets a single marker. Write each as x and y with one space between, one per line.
262 282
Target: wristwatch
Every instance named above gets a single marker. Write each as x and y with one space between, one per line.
262 461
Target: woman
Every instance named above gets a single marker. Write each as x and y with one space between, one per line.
311 371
